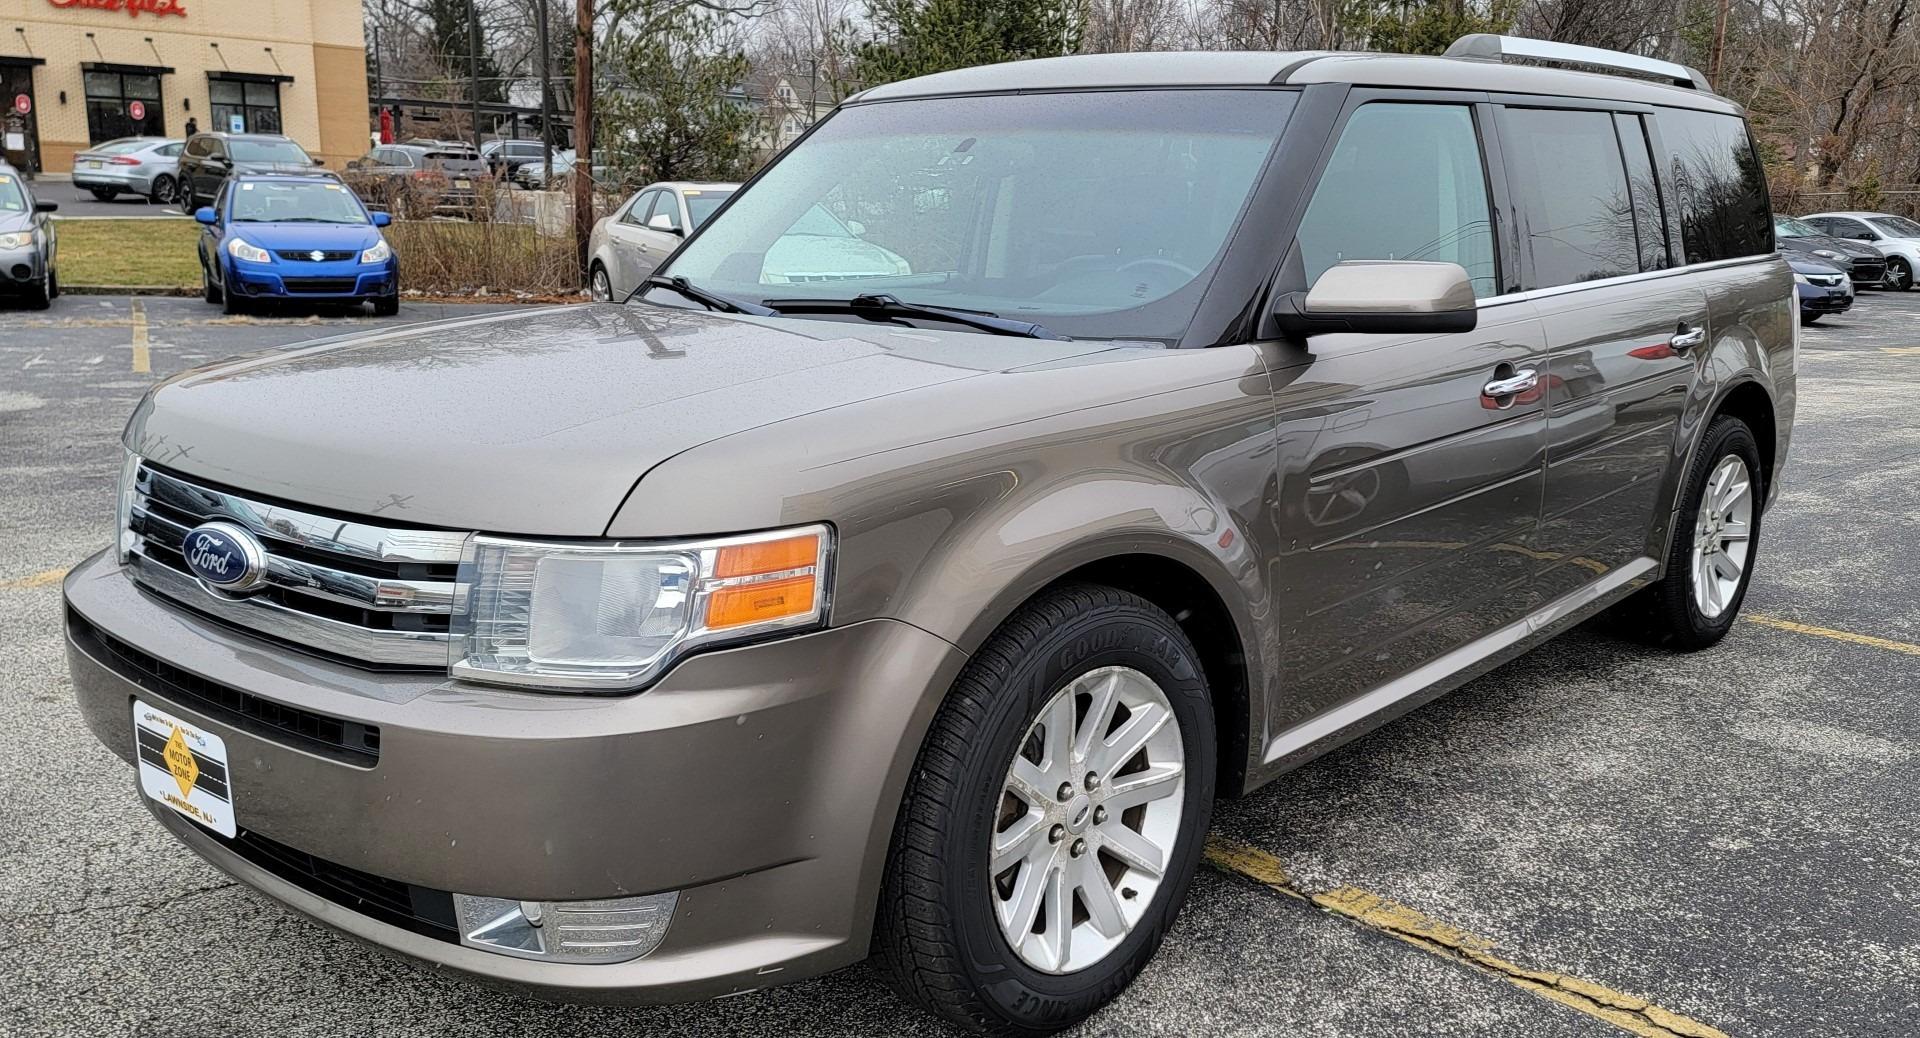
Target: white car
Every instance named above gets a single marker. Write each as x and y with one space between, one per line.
1897 237
629 244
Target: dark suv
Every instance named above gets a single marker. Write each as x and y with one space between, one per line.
1863 263
209 158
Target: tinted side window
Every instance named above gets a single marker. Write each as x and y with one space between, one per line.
197 147
1405 182
637 212
1566 174
1712 168
1649 213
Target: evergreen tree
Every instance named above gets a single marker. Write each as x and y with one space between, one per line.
450 26
918 37
669 107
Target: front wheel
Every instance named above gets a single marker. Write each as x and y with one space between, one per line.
1710 563
1808 319
600 287
386 306
208 290
103 194
1054 818
163 190
1899 274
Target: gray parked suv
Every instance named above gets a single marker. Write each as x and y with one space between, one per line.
1227 406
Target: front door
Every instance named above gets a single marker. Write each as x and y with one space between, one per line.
19 118
629 252
1411 465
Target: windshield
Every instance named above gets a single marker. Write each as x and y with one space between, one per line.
268 151
701 204
256 201
1788 227
1896 226
12 199
1099 214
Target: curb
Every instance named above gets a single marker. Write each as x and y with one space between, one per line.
129 290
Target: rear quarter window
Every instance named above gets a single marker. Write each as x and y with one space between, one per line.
1715 175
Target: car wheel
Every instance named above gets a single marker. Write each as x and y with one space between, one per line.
40 296
163 190
53 284
232 304
1714 547
1807 319
1054 818
600 286
386 306
1899 274
103 194
208 290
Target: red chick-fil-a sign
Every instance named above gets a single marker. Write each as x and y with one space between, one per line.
134 8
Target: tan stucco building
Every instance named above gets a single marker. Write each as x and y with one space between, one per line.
77 72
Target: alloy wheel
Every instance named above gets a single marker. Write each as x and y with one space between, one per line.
1088 818
1722 536
602 288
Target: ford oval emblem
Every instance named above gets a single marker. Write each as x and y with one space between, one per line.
225 556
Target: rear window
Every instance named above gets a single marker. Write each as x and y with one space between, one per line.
268 151
1896 226
1571 185
119 147
1715 173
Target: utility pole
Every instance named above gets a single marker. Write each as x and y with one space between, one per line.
582 133
473 67
546 90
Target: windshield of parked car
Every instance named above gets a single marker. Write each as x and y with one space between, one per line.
268 151
1788 227
702 203
1099 214
1896 226
119 147
12 198
259 201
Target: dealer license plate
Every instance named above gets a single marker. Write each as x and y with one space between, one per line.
95 165
183 767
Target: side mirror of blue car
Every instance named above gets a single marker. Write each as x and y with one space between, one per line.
206 215
382 219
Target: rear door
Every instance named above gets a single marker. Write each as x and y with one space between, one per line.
1411 477
1624 325
630 262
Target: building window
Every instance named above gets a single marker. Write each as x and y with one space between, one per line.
255 106
112 100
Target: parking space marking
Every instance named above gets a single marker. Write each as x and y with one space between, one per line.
1633 1015
1797 627
142 363
33 580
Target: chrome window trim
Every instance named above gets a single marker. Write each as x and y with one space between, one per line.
382 593
1623 279
405 648
307 529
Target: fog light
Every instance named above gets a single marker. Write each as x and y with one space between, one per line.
613 930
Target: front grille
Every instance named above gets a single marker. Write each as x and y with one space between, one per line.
320 286
422 910
306 256
348 742
377 596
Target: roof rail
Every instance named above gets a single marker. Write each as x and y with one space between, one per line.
1489 47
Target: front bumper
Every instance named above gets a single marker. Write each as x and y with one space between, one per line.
1818 299
136 182
760 782
21 269
317 281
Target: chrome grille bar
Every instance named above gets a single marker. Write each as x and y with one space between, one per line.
309 530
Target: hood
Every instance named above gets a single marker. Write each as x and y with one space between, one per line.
309 235
1810 242
1806 264
534 422
11 221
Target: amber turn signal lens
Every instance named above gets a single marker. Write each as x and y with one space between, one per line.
759 602
746 560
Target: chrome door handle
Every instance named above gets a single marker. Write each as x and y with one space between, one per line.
1687 338
1519 382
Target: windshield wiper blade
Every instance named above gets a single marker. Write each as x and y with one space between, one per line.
883 305
710 300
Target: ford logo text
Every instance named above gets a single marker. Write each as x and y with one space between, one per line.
225 556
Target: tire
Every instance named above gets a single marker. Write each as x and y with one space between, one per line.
1670 613
163 188
208 290
386 306
939 935
41 296
103 194
232 304
1808 319
599 285
53 284
1899 274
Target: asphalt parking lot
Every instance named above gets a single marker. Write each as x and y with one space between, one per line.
1597 839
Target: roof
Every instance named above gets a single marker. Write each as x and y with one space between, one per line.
1860 213
1263 68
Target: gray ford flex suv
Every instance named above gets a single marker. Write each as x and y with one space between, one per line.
1226 406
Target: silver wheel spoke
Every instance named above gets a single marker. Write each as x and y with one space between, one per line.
1724 566
1111 754
1143 787
1029 893
1103 905
1735 532
1058 741
1029 783
1134 850
1059 935
1021 840
1099 716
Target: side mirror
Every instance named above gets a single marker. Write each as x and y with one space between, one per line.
382 219
319 162
1382 296
45 207
206 215
663 222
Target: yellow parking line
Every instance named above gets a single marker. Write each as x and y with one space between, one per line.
32 580
1837 635
142 363
1633 1015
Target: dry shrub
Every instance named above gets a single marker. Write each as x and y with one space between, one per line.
457 257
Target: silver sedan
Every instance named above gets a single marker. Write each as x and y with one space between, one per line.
147 166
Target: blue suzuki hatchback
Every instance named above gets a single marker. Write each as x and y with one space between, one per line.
295 238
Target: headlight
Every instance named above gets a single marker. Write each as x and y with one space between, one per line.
240 248
377 254
123 528
1801 278
1828 253
614 616
16 241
